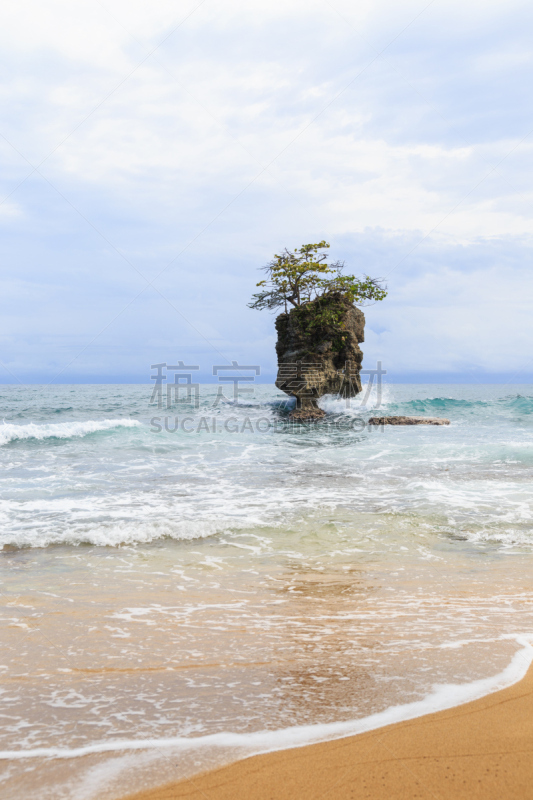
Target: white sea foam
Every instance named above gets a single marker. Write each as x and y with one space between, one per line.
60 430
443 696
119 532
369 401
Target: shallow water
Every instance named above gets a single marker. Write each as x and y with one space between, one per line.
248 575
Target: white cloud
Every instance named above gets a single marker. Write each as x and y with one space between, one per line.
254 126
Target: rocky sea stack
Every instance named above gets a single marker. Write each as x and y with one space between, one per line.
318 338
318 352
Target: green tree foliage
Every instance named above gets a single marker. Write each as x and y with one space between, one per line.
301 276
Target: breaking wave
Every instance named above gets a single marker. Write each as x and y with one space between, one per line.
61 430
513 404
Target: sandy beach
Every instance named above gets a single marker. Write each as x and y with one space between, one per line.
482 749
166 626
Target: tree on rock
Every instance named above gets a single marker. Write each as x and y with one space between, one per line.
303 275
321 329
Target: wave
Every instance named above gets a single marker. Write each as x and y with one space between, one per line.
370 402
60 430
442 403
444 696
520 403
512 403
114 533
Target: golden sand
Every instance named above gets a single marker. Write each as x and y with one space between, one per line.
483 749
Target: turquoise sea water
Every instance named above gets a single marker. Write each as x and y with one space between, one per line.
195 572
84 464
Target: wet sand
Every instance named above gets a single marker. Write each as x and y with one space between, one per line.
482 749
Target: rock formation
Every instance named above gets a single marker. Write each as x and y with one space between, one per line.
318 352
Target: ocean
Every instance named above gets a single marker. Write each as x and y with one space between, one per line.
185 586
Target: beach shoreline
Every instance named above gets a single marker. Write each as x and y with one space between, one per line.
196 601
482 748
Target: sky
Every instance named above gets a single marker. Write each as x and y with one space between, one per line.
154 155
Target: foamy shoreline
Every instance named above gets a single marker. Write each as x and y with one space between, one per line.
429 752
443 698
164 591
234 750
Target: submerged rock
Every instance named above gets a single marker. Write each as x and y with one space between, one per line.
408 421
318 352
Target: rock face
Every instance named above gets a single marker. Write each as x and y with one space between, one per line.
318 352
408 421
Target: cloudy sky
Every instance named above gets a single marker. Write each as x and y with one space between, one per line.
154 155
